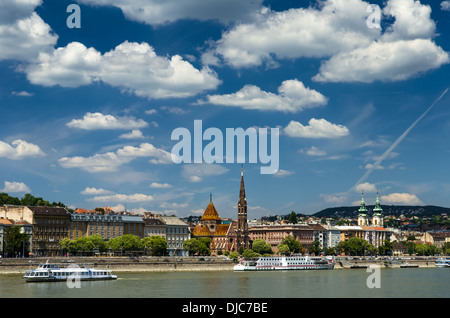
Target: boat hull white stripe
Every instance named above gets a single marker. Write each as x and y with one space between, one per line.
52 273
285 263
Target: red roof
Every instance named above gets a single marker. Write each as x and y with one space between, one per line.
5 221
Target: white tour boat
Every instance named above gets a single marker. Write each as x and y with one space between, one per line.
443 262
285 263
54 272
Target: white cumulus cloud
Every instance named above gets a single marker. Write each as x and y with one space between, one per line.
136 197
23 38
95 191
159 156
157 185
92 121
412 20
137 68
316 128
134 134
19 149
292 97
11 187
336 31
330 27
111 161
156 12
132 67
366 187
70 66
445 5
384 61
12 10
401 199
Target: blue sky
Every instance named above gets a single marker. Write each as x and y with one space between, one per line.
87 113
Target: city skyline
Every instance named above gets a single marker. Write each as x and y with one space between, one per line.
88 112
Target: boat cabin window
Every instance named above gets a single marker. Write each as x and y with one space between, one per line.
41 274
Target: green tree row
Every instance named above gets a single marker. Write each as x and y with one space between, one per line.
27 199
153 245
198 246
422 249
354 246
16 243
287 245
358 246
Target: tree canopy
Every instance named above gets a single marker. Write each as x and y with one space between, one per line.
16 243
261 247
293 218
356 246
293 245
198 246
83 244
27 200
156 245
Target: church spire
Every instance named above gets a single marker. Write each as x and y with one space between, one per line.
377 208
362 208
243 239
242 198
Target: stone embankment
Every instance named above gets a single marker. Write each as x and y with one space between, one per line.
349 263
155 264
121 264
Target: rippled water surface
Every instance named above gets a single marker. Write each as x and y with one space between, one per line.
405 283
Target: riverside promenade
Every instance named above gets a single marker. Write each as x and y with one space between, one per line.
155 264
122 264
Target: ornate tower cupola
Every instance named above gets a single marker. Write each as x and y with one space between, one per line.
362 217
211 218
377 219
242 226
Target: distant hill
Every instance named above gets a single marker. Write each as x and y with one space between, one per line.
396 210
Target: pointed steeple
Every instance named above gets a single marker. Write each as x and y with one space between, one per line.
377 208
362 208
242 198
362 217
210 212
377 219
242 236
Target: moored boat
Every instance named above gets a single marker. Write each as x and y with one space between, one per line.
442 263
49 272
285 263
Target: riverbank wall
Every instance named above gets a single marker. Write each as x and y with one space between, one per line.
164 264
354 264
122 264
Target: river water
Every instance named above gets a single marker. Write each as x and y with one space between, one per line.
340 283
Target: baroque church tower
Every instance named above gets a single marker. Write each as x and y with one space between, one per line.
377 217
242 226
362 216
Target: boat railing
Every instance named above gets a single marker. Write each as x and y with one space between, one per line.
65 265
